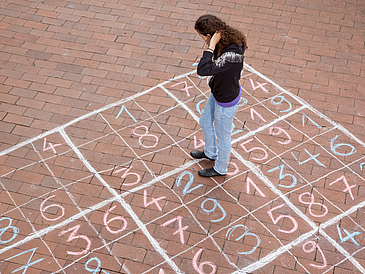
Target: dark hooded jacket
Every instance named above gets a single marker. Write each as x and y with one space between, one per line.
225 71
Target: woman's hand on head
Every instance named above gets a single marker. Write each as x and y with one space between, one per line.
215 39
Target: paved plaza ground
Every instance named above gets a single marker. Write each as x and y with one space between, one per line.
99 109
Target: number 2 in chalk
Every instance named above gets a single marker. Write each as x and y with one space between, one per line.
187 189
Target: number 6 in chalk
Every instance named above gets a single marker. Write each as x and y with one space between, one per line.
199 268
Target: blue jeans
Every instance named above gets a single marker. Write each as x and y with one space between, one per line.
216 123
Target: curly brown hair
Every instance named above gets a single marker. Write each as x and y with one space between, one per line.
209 24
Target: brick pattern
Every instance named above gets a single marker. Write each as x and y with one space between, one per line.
119 181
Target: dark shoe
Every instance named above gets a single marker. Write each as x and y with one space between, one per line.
209 172
199 155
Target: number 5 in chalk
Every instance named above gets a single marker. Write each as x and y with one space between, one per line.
275 221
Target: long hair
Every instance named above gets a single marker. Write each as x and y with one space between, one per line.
209 24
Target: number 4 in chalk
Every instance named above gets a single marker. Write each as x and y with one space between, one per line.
121 110
50 145
349 236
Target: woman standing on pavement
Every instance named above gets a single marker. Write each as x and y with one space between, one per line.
223 60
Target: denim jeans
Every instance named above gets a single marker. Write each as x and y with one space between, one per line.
216 123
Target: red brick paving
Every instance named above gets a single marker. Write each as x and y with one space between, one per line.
126 189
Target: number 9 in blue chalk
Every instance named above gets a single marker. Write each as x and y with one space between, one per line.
246 233
97 269
282 98
216 204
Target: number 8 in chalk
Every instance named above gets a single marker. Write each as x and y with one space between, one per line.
2 230
146 134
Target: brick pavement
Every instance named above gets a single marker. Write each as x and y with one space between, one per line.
99 106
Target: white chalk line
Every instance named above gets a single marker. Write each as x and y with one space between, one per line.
250 167
335 219
344 252
310 139
251 134
40 137
125 205
95 207
181 201
59 128
175 143
31 225
276 191
335 127
304 103
72 198
273 255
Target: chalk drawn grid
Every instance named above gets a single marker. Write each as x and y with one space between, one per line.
115 191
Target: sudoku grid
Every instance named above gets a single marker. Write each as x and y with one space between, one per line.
116 191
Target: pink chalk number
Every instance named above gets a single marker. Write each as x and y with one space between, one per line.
314 247
250 182
73 236
201 142
275 221
313 203
235 172
266 155
186 87
154 201
280 131
126 173
146 134
181 228
50 146
43 209
199 268
106 223
259 85
252 111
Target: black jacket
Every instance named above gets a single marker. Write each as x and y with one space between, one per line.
225 71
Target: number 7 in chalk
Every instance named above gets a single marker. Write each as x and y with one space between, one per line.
314 123
121 110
